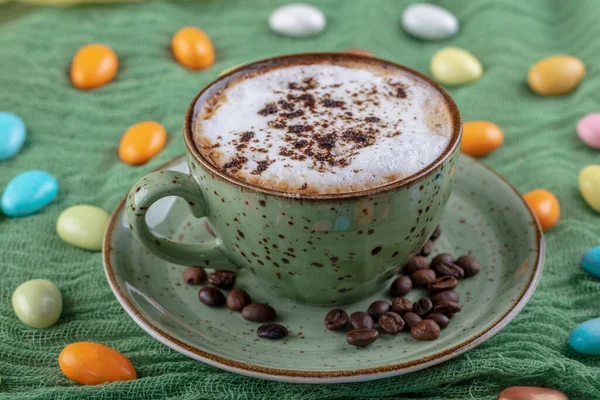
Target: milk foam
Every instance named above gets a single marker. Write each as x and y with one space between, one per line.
324 128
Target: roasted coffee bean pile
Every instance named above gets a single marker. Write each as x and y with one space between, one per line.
424 318
236 300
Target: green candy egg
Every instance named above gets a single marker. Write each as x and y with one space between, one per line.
83 226
37 303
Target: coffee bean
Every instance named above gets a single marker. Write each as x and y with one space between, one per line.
423 277
422 307
469 264
415 263
390 322
442 258
443 283
377 308
401 286
443 264
211 296
336 319
258 313
410 319
446 295
401 306
439 319
194 275
427 248
436 233
446 307
442 269
361 320
425 330
272 331
222 279
238 299
362 337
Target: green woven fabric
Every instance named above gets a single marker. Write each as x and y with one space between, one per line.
74 135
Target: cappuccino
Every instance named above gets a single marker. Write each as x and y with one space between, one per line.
324 128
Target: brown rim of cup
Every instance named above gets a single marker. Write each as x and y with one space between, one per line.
331 197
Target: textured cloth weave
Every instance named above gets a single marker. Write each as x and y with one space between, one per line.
74 135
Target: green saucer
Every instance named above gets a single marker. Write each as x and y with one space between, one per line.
485 217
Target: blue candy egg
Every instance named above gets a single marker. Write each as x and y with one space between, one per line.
12 135
591 261
585 338
27 193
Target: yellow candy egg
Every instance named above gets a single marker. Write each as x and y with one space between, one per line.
94 65
453 66
556 75
589 185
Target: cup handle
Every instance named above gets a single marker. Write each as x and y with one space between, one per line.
155 186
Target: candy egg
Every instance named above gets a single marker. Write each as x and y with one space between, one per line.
27 193
91 363
453 66
37 303
297 20
589 185
83 226
585 338
94 65
531 393
429 22
588 130
591 261
480 138
545 207
141 142
12 135
555 75
193 48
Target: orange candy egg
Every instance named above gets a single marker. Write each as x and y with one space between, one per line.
141 142
480 138
545 206
94 65
193 48
89 363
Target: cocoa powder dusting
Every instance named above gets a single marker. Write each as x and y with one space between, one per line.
262 166
270 108
235 164
323 142
333 103
246 136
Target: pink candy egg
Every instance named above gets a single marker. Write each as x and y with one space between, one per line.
588 130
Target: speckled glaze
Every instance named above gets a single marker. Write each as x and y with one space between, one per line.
485 217
315 249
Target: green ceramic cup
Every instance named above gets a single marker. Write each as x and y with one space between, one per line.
321 249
